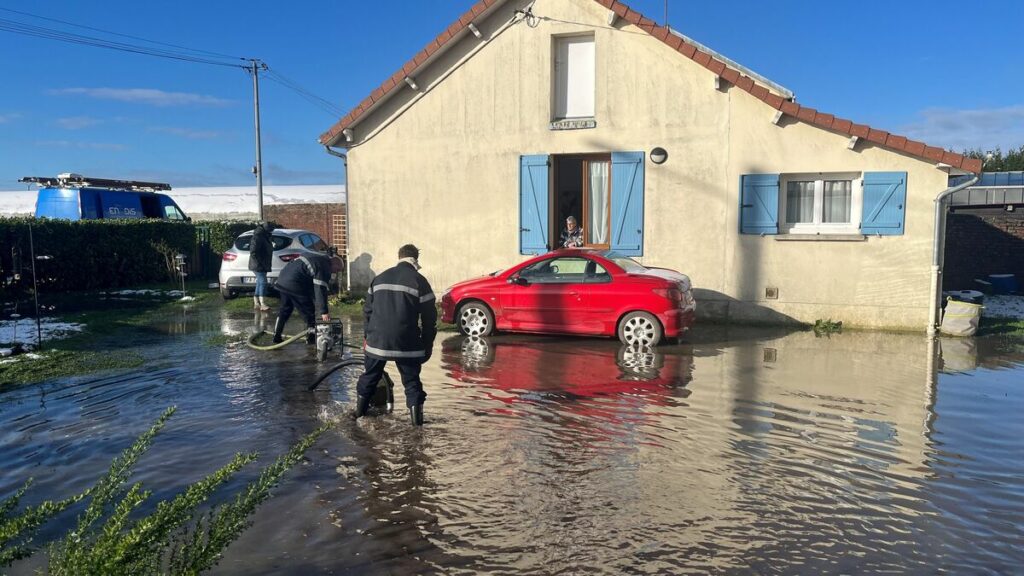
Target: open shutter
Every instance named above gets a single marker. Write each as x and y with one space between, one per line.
759 204
628 203
885 198
533 204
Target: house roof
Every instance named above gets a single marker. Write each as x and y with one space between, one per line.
726 70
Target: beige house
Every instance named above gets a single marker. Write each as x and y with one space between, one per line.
522 113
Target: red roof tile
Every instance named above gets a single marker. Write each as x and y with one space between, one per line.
809 115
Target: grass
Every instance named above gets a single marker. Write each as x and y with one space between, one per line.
181 535
48 364
1001 326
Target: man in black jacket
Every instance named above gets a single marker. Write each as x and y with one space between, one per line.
303 284
401 323
261 253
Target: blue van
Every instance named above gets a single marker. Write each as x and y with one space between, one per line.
76 197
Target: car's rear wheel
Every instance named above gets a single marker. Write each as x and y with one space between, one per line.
475 319
639 329
227 293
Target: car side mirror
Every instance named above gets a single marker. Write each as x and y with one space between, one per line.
519 280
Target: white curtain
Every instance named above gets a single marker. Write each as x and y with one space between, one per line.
799 202
597 197
838 196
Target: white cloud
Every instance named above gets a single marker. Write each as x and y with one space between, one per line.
4 118
187 132
81 145
77 122
150 96
980 128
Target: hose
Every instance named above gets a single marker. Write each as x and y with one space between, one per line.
332 369
251 342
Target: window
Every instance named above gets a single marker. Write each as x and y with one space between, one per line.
820 203
556 271
603 192
279 242
869 203
573 77
172 213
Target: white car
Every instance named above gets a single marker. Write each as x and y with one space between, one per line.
235 276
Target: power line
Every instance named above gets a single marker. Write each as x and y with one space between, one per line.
112 33
322 103
26 29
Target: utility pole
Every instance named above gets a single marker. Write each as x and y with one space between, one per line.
666 12
257 65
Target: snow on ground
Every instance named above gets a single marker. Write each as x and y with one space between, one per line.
207 200
1003 306
145 292
23 330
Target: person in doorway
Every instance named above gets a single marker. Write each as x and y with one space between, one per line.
572 236
303 285
401 323
261 252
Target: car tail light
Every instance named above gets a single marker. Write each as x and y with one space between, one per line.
673 294
288 257
229 256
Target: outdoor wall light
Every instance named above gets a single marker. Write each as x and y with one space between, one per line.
659 155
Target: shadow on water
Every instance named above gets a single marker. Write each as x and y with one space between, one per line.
738 451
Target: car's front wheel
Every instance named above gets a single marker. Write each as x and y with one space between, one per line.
639 329
475 319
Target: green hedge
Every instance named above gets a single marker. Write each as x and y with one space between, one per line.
91 254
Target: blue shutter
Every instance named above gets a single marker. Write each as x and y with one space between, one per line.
759 204
885 197
533 204
628 203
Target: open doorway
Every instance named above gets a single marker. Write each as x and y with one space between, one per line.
582 189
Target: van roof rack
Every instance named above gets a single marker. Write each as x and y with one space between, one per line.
68 180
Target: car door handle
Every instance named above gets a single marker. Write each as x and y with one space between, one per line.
574 294
524 229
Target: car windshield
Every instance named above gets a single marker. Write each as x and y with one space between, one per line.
280 242
625 262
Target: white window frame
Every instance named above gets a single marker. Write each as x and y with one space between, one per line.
817 226
560 84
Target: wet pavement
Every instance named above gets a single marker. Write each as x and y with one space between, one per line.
744 451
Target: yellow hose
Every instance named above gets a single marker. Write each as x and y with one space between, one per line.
251 342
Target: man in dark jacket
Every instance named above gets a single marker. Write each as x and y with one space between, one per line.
303 284
261 252
401 323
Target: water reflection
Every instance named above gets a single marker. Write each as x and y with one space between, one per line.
743 451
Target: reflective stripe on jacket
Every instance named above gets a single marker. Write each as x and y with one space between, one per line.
308 276
401 318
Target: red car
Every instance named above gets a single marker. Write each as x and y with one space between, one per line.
575 291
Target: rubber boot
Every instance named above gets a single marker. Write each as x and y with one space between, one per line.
263 305
311 335
255 301
416 415
362 406
278 330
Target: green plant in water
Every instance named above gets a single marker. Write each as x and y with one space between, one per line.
827 327
173 539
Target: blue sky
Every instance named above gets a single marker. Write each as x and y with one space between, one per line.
930 70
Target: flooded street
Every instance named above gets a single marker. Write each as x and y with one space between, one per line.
741 451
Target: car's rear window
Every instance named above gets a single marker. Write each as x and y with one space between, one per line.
280 242
625 262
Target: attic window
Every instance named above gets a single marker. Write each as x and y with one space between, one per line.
573 77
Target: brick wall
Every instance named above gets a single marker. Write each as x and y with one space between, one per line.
327 220
981 244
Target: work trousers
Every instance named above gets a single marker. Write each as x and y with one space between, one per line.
302 303
408 368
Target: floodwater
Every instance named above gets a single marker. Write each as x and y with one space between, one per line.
739 452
